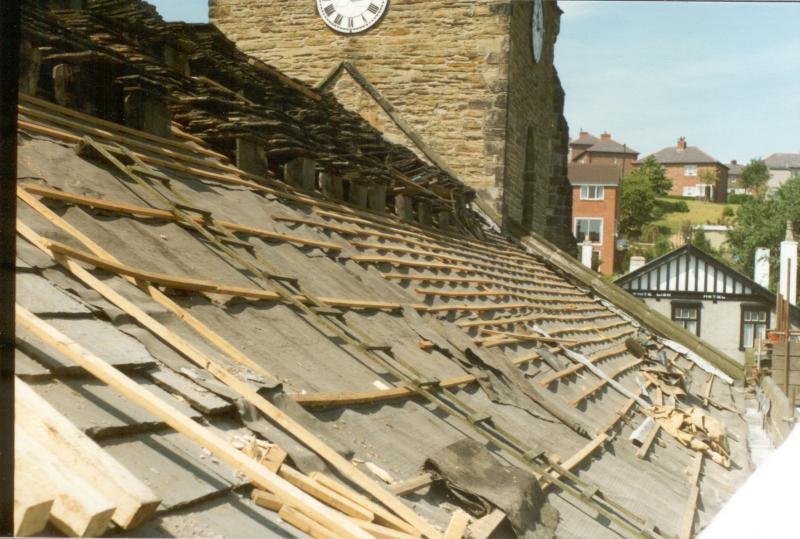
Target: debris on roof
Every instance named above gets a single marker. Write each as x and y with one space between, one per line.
268 353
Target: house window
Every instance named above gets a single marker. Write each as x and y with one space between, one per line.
687 315
592 192
755 320
588 226
690 170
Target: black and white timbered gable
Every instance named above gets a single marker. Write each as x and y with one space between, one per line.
690 273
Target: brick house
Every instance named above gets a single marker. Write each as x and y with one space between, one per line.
595 208
686 166
588 149
782 166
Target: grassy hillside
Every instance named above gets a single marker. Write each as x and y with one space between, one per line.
700 213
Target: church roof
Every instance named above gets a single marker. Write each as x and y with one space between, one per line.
270 356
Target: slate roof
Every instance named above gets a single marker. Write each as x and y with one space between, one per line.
672 155
584 139
387 339
611 146
591 174
783 161
734 169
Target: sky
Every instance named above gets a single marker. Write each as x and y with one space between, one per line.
724 75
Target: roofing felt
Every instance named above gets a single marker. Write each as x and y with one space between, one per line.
590 174
387 340
783 161
689 155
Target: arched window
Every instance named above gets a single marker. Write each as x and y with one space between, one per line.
530 185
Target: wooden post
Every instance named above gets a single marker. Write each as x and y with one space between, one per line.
787 331
424 213
443 220
331 186
377 197
9 67
301 172
404 207
250 155
359 193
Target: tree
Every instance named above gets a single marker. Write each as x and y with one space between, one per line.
656 174
761 222
637 202
755 176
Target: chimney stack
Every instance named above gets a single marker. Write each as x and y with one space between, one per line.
582 133
605 135
636 262
788 262
682 143
586 252
761 267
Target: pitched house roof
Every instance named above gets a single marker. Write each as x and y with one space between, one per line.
584 139
783 161
210 328
611 146
591 174
735 169
686 156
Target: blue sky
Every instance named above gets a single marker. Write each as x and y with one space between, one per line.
724 75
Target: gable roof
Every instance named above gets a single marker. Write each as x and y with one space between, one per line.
592 174
783 161
292 318
691 155
735 169
611 146
584 139
725 280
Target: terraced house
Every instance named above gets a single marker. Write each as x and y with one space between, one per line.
244 311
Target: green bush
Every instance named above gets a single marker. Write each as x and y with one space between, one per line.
733 198
670 206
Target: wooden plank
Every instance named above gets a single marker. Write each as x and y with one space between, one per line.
324 494
694 494
484 527
133 500
602 383
407 486
78 509
304 523
575 459
458 525
344 466
382 532
265 499
648 441
32 503
204 437
382 516
572 369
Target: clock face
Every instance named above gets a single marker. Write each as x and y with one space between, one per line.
351 16
537 30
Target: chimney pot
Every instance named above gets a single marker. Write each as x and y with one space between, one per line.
682 143
788 265
605 136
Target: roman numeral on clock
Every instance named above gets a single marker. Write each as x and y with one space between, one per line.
373 8
329 9
338 19
350 22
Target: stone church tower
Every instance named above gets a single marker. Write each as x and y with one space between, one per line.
467 84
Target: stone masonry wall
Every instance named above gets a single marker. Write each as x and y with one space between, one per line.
440 63
445 66
536 105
